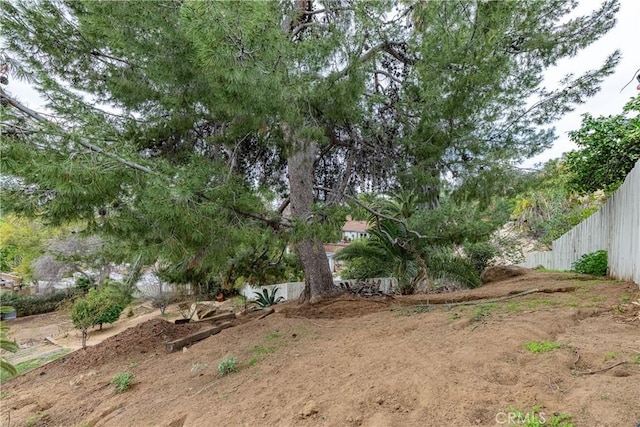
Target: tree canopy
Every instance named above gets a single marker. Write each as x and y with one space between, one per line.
189 129
609 149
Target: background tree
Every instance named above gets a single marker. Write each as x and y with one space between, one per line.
548 207
22 241
104 305
228 112
609 149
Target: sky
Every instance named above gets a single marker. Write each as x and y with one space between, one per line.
609 101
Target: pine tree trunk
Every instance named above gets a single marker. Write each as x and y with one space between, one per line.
317 273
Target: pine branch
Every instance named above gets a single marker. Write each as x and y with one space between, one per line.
271 222
387 74
283 205
389 47
97 53
384 46
377 214
92 147
333 9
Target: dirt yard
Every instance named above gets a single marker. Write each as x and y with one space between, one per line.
402 361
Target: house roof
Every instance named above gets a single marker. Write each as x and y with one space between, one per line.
356 226
332 248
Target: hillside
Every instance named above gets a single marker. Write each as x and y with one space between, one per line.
401 361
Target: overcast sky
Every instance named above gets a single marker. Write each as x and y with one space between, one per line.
608 101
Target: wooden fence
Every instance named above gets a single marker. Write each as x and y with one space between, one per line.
615 227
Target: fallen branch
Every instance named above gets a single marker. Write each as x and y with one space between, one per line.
487 301
266 313
603 369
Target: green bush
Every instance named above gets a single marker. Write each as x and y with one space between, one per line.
479 255
122 381
83 284
104 305
594 263
28 305
227 365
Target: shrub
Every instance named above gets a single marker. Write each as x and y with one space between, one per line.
163 300
594 263
28 305
227 365
83 284
122 381
479 255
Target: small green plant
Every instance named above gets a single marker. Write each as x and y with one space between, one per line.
122 381
537 418
36 419
594 264
228 365
254 361
481 312
541 346
636 359
418 309
266 298
273 335
260 350
610 356
625 298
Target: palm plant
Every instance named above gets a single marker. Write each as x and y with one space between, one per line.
6 345
390 250
393 250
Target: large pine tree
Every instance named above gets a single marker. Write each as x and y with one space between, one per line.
177 125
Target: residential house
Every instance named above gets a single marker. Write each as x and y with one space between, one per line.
351 231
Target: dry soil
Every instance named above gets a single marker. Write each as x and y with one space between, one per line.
396 361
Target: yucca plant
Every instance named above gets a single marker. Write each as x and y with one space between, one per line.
266 298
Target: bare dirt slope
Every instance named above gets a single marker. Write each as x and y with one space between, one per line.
349 361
